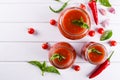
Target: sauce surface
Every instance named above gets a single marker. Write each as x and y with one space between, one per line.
66 54
95 57
71 15
64 49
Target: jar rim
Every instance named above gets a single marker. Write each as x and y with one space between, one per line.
62 16
87 57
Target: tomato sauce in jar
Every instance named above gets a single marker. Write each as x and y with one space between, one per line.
95 53
63 49
70 30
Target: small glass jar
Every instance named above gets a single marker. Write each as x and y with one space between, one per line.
95 53
70 30
64 53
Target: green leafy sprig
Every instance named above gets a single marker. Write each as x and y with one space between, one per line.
80 23
105 3
44 68
106 35
57 56
95 51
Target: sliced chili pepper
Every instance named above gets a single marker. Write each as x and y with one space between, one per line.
101 67
59 10
93 7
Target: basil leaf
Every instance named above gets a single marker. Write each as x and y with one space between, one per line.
36 63
105 3
106 35
95 51
80 23
77 22
57 56
85 26
52 69
43 67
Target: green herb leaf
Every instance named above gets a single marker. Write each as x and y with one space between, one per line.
94 50
105 3
52 69
39 65
85 26
44 65
44 68
80 23
77 22
36 63
57 56
106 35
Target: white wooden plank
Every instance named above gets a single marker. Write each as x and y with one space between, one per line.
22 71
50 1
24 13
40 13
17 46
26 51
18 32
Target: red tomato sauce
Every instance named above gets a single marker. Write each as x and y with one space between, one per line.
69 17
70 30
66 54
94 57
67 51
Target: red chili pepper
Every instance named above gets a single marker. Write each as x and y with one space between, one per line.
101 67
93 7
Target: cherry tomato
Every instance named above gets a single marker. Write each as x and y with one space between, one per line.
53 22
113 43
45 45
76 67
31 31
82 6
91 33
100 30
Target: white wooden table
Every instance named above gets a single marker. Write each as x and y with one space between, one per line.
17 47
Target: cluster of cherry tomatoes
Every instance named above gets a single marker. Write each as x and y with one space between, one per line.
99 30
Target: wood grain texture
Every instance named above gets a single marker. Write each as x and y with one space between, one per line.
27 51
44 32
23 71
17 47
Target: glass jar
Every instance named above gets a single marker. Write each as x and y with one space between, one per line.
64 55
93 52
70 30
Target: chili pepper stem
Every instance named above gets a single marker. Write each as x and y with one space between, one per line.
110 56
